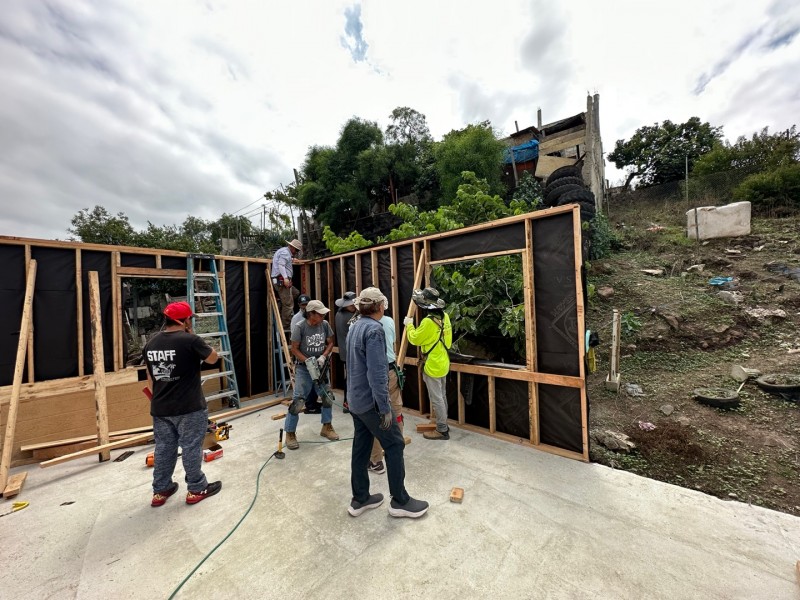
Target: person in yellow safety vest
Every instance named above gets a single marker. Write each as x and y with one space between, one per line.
434 336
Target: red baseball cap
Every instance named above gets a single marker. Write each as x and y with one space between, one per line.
178 311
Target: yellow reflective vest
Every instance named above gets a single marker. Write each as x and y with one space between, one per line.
434 339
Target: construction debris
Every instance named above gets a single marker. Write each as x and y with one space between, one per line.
457 495
618 442
741 374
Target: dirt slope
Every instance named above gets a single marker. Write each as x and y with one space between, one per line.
681 333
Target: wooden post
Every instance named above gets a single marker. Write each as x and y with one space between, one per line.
395 294
531 363
79 298
374 258
100 403
460 397
116 303
401 356
31 371
246 269
492 406
19 367
612 381
359 283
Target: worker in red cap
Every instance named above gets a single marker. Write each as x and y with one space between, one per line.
180 415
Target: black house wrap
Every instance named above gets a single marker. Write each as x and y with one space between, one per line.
542 403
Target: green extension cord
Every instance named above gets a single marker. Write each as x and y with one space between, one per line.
244 516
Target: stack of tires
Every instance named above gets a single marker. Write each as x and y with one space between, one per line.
565 186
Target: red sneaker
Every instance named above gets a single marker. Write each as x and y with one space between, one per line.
211 489
159 498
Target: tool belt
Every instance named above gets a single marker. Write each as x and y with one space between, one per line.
401 377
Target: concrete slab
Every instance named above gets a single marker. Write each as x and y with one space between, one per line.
531 525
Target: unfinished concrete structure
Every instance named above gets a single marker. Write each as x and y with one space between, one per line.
562 143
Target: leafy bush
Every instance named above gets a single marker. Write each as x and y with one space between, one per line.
603 239
528 196
336 244
483 297
780 187
631 324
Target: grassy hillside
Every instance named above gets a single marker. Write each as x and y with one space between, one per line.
680 333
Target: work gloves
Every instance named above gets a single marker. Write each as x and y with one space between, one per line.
386 420
408 321
321 361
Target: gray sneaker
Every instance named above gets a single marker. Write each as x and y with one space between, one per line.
412 509
356 508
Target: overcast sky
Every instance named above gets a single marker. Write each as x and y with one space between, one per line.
165 108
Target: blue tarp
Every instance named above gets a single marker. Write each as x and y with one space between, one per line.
523 153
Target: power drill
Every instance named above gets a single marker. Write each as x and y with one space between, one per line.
319 376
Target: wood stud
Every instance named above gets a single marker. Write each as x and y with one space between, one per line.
31 372
98 364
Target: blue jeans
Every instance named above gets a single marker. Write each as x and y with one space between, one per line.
302 386
186 431
366 428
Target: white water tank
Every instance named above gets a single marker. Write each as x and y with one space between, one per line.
731 220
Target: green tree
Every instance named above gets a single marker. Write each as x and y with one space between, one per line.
408 127
762 152
657 153
473 204
474 148
98 226
339 184
408 139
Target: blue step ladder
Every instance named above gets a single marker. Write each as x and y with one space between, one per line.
205 298
283 378
282 365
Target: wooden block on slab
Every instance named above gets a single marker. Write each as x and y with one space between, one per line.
287 402
426 427
279 416
457 495
14 485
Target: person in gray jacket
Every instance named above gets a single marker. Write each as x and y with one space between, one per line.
368 391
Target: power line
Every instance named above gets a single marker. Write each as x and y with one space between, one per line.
251 204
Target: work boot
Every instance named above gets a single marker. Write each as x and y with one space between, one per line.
327 431
437 435
406 440
291 440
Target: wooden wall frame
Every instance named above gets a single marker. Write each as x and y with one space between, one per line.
422 248
420 252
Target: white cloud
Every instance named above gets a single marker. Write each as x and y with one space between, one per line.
164 109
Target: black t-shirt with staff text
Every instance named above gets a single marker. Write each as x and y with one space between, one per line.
174 360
